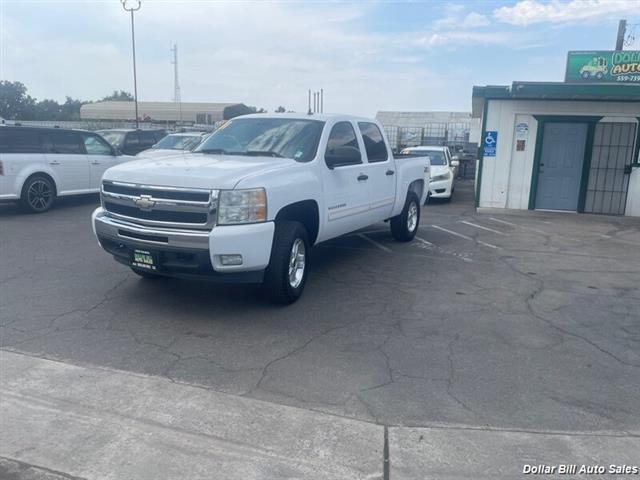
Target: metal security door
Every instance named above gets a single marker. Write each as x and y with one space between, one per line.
561 161
610 168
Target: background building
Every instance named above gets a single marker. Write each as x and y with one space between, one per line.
559 146
164 112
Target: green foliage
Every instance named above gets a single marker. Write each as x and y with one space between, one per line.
280 109
118 96
16 104
14 101
256 110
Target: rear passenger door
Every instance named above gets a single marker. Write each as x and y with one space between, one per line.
346 192
381 171
66 156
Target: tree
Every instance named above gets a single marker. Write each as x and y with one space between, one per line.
118 96
70 109
15 104
47 110
255 109
281 109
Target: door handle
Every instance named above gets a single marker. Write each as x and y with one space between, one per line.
54 162
390 172
95 163
362 177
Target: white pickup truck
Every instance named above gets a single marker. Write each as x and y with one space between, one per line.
248 204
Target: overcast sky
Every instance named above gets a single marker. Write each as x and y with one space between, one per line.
367 55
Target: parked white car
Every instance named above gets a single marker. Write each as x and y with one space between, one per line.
174 143
37 165
248 204
444 169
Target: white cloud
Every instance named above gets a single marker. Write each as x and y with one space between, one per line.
527 12
460 21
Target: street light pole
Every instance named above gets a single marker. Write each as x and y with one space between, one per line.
132 9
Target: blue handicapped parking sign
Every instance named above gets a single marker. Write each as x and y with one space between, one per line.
489 142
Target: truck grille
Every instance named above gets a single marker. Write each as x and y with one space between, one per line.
161 206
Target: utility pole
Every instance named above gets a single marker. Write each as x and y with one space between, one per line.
622 30
133 44
176 85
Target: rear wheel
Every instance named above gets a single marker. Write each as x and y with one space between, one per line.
38 194
405 226
286 274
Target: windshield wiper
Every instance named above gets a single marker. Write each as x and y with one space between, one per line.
212 150
262 153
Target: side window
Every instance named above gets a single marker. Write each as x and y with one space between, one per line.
147 139
94 145
17 140
342 146
66 142
131 139
373 142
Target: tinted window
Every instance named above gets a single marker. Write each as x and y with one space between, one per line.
94 145
18 140
373 142
64 142
342 135
147 138
131 140
279 137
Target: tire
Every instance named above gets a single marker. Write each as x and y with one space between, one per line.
146 275
405 226
38 194
285 277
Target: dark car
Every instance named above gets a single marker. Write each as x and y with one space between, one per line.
132 142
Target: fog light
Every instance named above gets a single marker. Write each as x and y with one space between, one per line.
231 259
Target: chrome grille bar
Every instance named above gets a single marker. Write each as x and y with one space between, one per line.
157 206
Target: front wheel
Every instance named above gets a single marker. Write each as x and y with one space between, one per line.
405 226
286 274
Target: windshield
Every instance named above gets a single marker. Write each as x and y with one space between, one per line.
179 142
114 138
278 137
436 157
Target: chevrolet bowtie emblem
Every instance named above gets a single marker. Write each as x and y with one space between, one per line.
144 202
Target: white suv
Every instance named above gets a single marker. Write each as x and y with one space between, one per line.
39 164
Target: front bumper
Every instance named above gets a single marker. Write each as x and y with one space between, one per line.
440 189
190 253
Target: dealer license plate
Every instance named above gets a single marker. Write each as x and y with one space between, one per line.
144 259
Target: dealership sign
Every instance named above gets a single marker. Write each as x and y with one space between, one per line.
603 66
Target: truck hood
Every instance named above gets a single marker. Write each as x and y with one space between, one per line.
159 152
195 170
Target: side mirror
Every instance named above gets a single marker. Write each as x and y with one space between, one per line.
455 162
342 156
116 151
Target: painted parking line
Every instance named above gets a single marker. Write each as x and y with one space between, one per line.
484 228
373 242
422 240
504 222
451 232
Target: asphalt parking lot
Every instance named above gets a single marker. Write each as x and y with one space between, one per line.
522 322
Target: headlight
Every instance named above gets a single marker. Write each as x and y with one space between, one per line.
242 206
437 178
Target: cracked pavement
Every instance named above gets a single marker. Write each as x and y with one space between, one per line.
541 333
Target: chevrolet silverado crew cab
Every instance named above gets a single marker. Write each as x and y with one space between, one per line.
248 204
